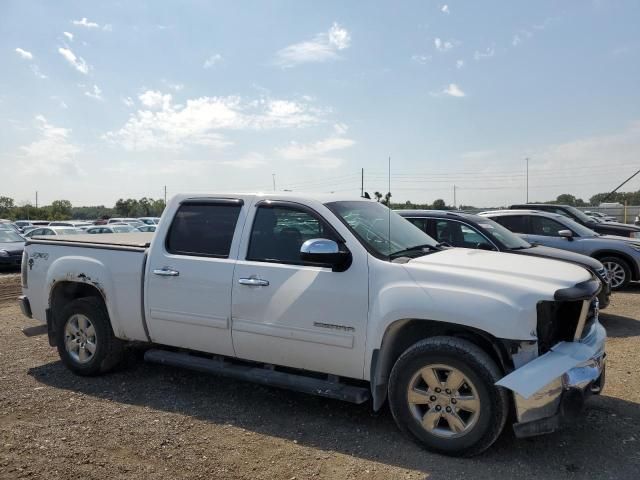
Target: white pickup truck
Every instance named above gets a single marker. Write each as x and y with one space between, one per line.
336 297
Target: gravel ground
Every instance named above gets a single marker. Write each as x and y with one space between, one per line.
147 422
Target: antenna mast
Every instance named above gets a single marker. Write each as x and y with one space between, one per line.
389 205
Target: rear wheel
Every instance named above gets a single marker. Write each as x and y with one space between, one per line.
85 339
442 393
618 270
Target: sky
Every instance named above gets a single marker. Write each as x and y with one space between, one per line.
103 100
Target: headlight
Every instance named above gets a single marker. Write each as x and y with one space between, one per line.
4 253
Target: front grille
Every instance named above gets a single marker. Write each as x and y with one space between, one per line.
558 322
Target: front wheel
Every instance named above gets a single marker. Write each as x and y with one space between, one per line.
442 393
618 270
85 340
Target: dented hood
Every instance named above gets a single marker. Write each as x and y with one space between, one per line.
536 271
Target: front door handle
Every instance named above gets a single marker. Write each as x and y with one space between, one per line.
166 272
253 282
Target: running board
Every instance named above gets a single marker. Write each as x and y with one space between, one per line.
264 376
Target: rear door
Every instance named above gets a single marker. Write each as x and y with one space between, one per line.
288 312
188 291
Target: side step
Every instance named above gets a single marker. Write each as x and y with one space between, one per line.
264 376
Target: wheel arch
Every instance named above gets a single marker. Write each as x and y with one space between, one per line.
403 333
635 271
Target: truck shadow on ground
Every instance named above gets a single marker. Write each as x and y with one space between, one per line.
354 430
619 326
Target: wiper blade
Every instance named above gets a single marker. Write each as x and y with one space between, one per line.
416 249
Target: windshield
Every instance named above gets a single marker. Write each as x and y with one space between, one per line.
7 236
509 239
581 230
581 215
369 221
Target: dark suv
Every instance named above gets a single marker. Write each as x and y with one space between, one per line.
465 230
605 228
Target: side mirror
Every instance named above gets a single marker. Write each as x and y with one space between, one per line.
568 234
325 253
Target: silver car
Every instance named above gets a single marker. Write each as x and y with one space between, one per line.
619 255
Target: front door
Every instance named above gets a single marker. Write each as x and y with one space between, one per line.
544 231
188 294
289 313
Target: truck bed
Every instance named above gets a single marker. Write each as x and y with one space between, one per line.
116 241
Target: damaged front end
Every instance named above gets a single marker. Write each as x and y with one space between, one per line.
554 375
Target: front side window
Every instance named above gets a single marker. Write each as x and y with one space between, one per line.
203 229
457 234
421 223
278 232
545 226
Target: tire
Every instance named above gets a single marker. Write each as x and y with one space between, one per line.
479 374
76 337
616 267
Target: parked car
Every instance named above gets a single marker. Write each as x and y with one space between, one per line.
6 224
23 223
71 223
619 255
52 231
134 222
113 228
315 289
11 247
606 228
146 228
601 216
149 220
465 230
637 222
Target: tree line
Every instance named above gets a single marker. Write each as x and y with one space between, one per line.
64 210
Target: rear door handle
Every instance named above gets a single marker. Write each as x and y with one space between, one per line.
253 282
166 272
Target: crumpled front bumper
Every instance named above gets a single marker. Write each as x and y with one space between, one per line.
555 384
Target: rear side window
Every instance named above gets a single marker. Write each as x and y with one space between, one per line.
203 229
516 224
421 223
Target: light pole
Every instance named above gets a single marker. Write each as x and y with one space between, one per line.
527 160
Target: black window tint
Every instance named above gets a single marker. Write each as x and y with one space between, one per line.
514 223
545 226
279 232
421 223
203 229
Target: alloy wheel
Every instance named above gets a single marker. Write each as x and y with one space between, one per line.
80 338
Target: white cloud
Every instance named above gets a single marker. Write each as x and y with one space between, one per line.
320 154
324 47
85 23
24 54
128 101
108 27
488 53
248 161
340 128
459 64
61 103
69 35
36 71
453 90
51 153
212 60
421 59
445 9
94 93
442 45
77 62
163 124
516 40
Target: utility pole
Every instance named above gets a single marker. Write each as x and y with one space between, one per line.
454 196
273 175
361 182
165 195
36 199
527 160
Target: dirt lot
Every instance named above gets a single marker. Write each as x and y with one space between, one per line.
147 422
